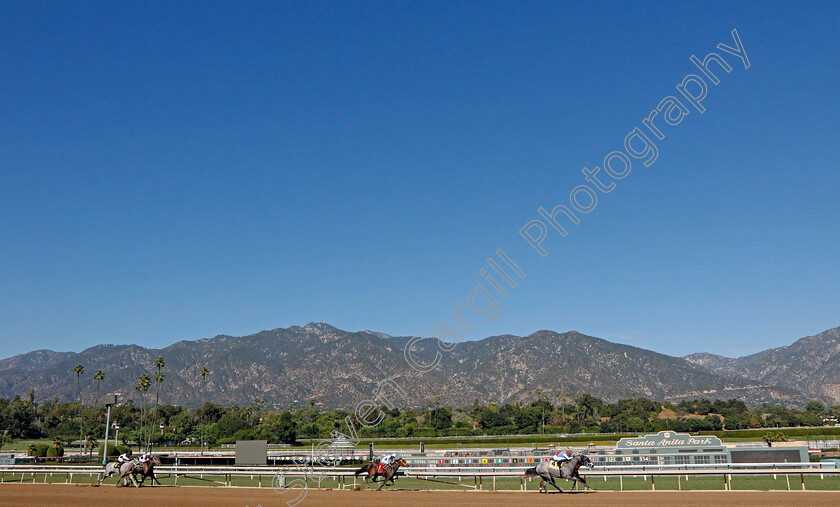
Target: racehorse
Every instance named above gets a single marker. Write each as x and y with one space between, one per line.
148 470
391 472
124 470
372 470
369 469
547 471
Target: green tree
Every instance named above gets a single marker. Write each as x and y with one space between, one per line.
771 437
815 408
440 418
229 424
278 428
182 425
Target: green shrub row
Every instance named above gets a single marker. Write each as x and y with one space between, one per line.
112 450
45 451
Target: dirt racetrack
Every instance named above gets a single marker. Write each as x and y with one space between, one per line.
71 495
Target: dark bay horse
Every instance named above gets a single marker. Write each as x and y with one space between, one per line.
568 470
147 469
372 471
391 471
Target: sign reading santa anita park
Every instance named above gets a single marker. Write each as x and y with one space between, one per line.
668 439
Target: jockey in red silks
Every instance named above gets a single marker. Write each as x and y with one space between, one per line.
385 461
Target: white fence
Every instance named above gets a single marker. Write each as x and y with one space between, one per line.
481 478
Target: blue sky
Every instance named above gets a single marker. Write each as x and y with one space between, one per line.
177 172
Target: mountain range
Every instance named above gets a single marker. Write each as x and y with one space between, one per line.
338 369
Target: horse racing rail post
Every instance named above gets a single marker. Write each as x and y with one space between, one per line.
344 477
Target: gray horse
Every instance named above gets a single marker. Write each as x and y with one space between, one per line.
126 469
568 470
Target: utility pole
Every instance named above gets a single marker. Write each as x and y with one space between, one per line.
107 425
108 401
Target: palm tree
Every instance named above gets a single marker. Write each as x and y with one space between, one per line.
159 376
79 370
159 363
99 376
203 373
92 444
142 387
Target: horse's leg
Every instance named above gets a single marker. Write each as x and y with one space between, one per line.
104 475
551 481
386 479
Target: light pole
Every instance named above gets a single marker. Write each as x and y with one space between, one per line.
117 438
107 424
108 401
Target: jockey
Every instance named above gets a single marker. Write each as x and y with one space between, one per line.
124 457
385 461
563 456
144 458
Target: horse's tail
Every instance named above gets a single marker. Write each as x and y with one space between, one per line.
531 472
361 470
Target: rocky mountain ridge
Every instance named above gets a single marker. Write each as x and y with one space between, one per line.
287 367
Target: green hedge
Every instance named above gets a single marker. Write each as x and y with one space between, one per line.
112 450
38 450
55 451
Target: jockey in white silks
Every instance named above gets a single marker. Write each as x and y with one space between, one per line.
124 457
385 461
